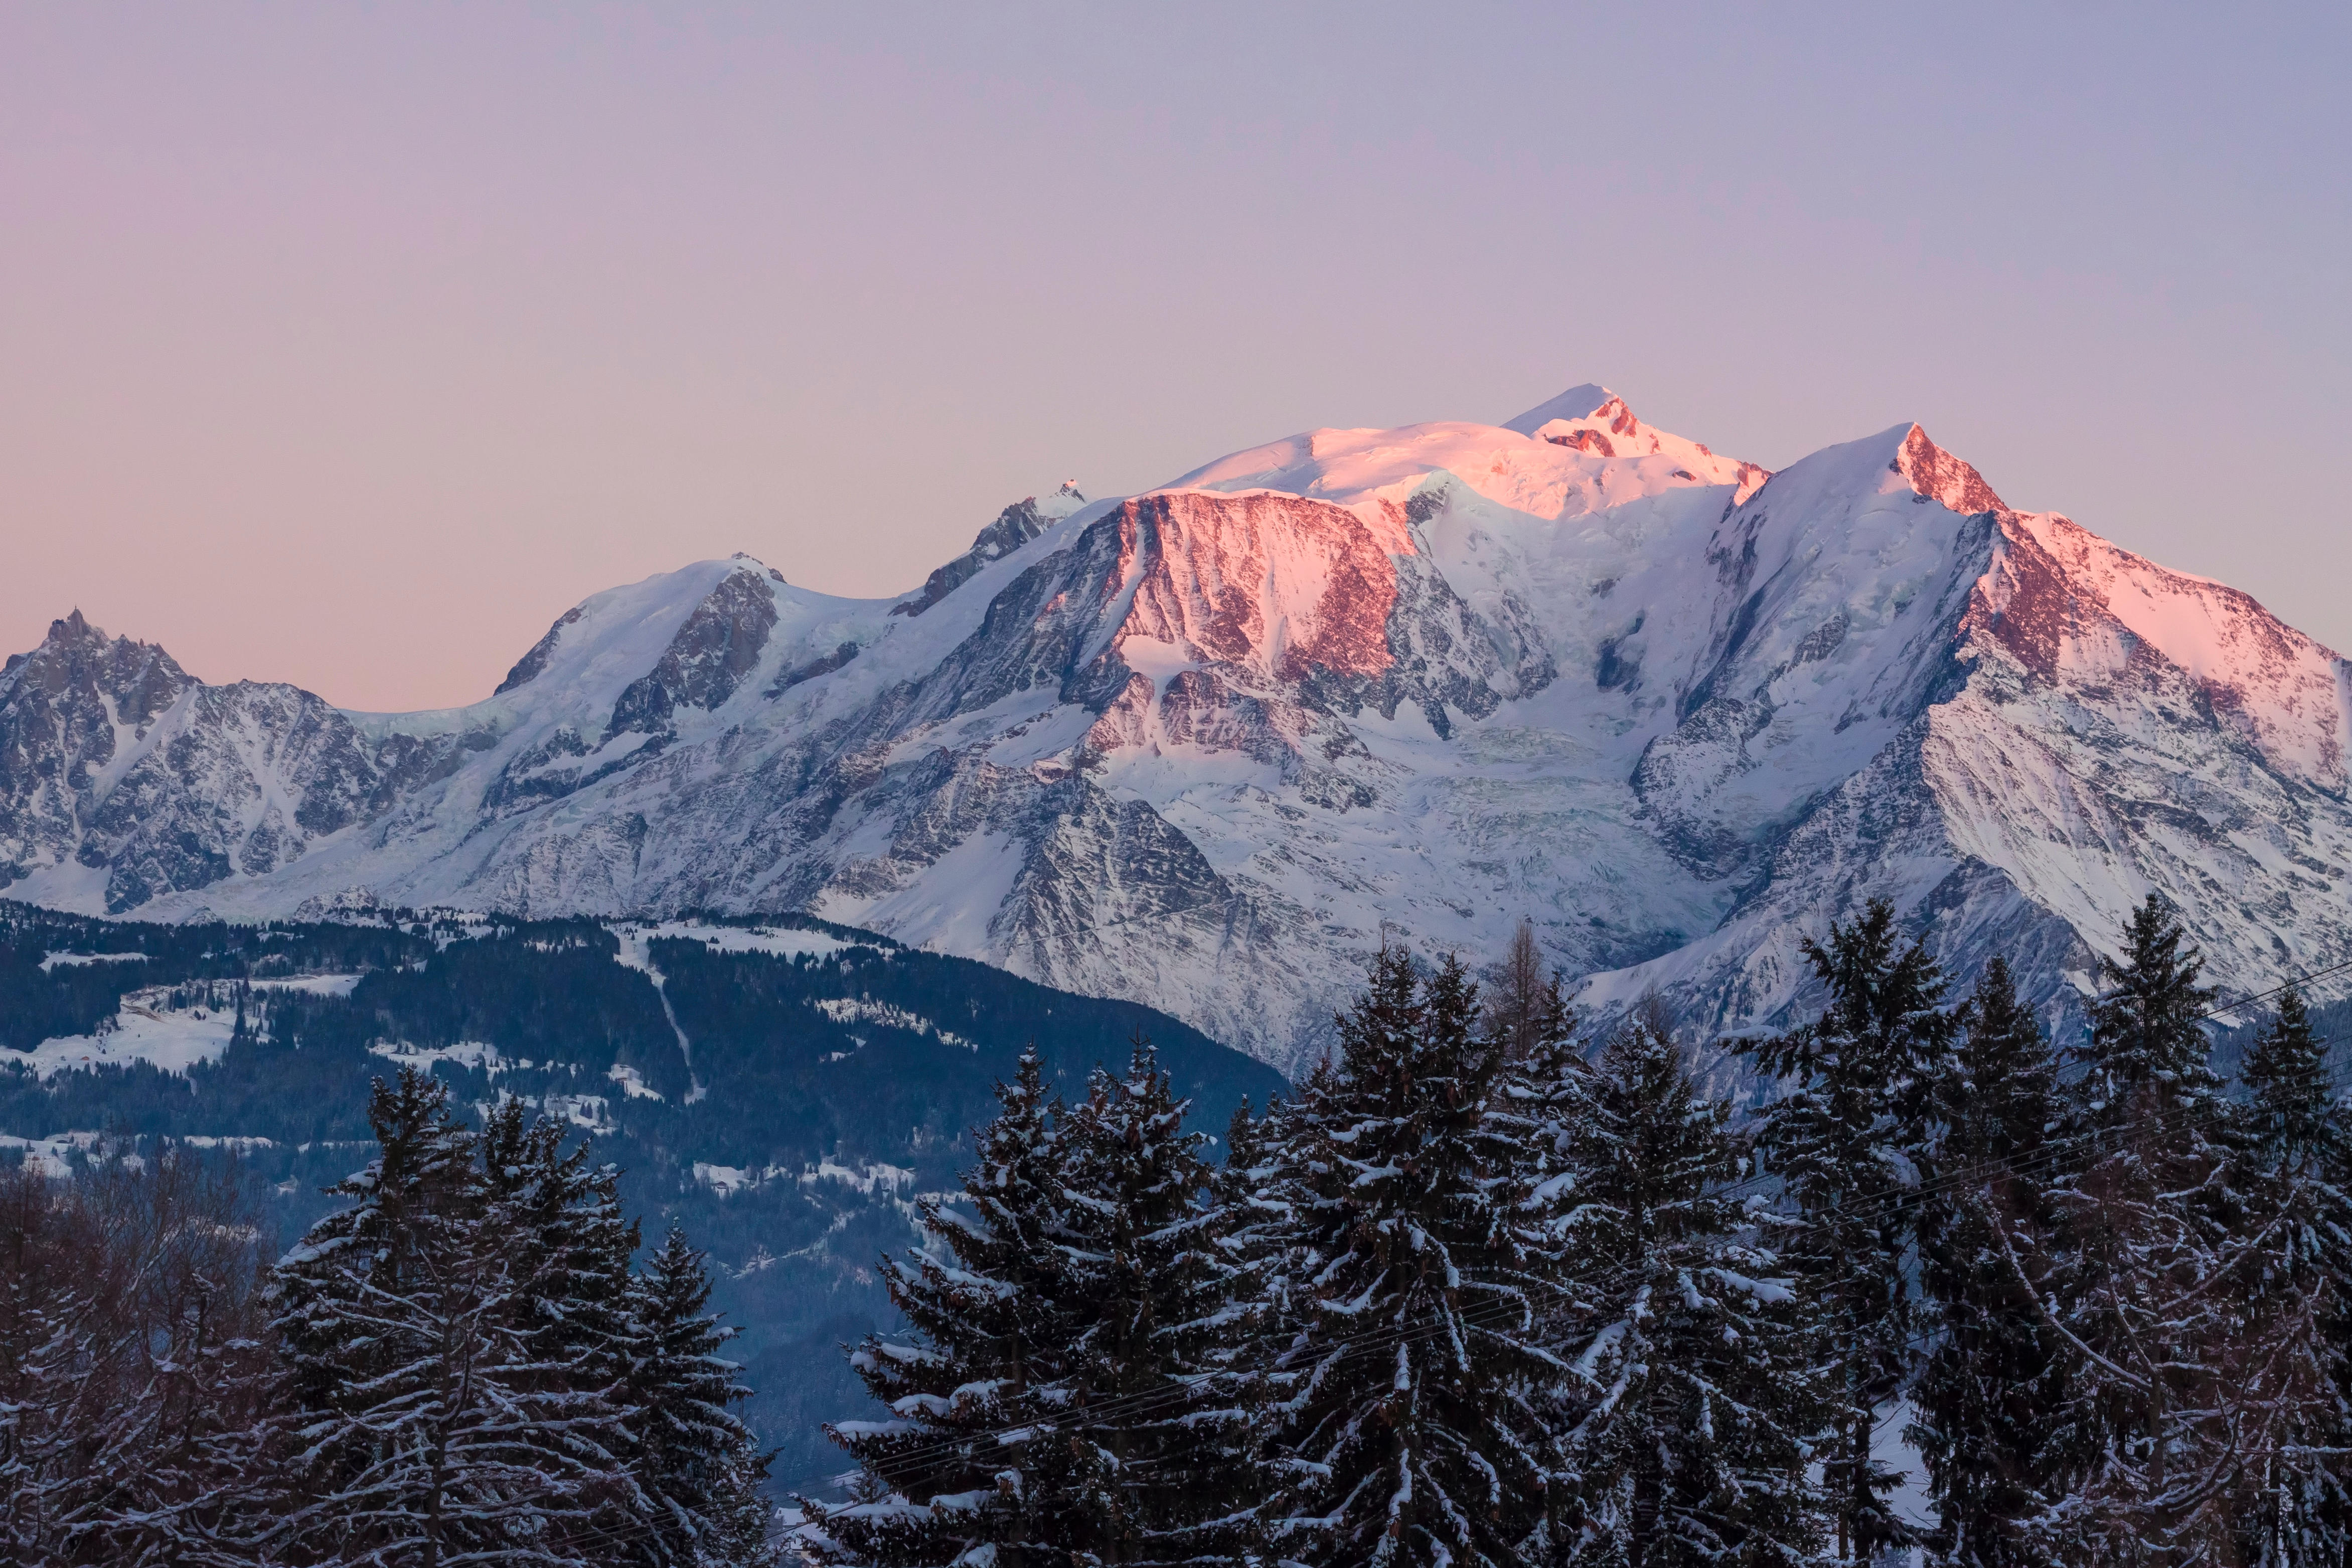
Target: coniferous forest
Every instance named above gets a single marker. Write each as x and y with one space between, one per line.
828 1087
1488 1285
1485 1289
465 1363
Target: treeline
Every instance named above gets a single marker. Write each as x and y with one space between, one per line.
462 1365
1483 1291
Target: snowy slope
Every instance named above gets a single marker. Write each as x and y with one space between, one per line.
1208 746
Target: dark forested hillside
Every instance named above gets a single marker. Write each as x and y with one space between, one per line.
784 1089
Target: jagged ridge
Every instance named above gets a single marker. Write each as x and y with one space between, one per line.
1208 746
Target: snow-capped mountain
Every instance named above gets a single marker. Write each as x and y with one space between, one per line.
1207 746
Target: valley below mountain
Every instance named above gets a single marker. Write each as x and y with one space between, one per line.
784 1089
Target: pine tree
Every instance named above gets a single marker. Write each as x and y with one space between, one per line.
741 1514
1845 1139
2294 1118
1162 1410
1536 1138
1693 1389
1991 1378
571 1301
421 1428
972 1465
571 1295
1404 1424
2147 1049
695 1461
2172 1385
1242 1172
2297 1167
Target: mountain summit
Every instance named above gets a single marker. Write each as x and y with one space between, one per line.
1209 746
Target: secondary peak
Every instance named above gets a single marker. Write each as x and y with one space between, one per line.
1578 403
1936 472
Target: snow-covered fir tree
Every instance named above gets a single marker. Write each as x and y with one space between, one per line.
573 1246
420 1425
1991 1378
1845 1138
2169 1392
2295 1119
1535 1135
2298 1169
973 1465
1694 1385
570 1303
1420 1287
1076 1393
694 1463
1162 1404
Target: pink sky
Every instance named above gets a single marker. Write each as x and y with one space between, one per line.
350 346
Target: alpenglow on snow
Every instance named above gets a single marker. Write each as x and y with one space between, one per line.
1209 746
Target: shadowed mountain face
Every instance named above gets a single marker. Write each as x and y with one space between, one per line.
1209 746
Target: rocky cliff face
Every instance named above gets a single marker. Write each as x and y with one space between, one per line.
1209 746
124 779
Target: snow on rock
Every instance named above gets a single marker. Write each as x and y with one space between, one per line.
1560 467
864 1179
724 1179
112 757
1578 403
1209 746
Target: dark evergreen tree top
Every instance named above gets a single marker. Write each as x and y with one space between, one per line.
1846 1135
419 1203
1419 1281
1656 1154
2295 1113
2181 1329
1998 1098
1847 1139
1882 1036
2297 1153
2147 1025
423 1422
691 1454
1695 1393
1989 1397
1161 1404
975 1389
572 1244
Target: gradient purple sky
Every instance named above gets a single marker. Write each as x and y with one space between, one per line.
351 345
